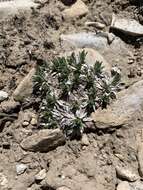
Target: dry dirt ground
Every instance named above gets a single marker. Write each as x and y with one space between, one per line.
28 37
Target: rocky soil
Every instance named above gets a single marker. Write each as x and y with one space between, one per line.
109 156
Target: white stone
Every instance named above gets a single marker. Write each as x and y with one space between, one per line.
3 95
95 24
20 168
25 123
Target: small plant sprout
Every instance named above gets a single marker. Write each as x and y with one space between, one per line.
70 90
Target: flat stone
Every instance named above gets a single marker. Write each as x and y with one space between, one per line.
3 95
20 168
126 174
127 107
128 26
41 175
25 88
44 140
77 9
124 185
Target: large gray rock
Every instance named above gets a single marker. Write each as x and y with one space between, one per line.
128 26
44 141
127 107
25 88
109 46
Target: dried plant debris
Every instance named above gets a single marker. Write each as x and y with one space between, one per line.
70 90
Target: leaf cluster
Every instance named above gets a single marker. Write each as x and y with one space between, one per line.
70 90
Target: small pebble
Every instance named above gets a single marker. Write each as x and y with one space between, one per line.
84 140
95 24
3 95
33 121
20 168
25 123
41 175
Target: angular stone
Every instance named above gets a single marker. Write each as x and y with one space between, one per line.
44 140
25 88
20 168
128 26
3 95
127 107
77 9
126 174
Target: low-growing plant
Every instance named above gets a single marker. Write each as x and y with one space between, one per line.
70 90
